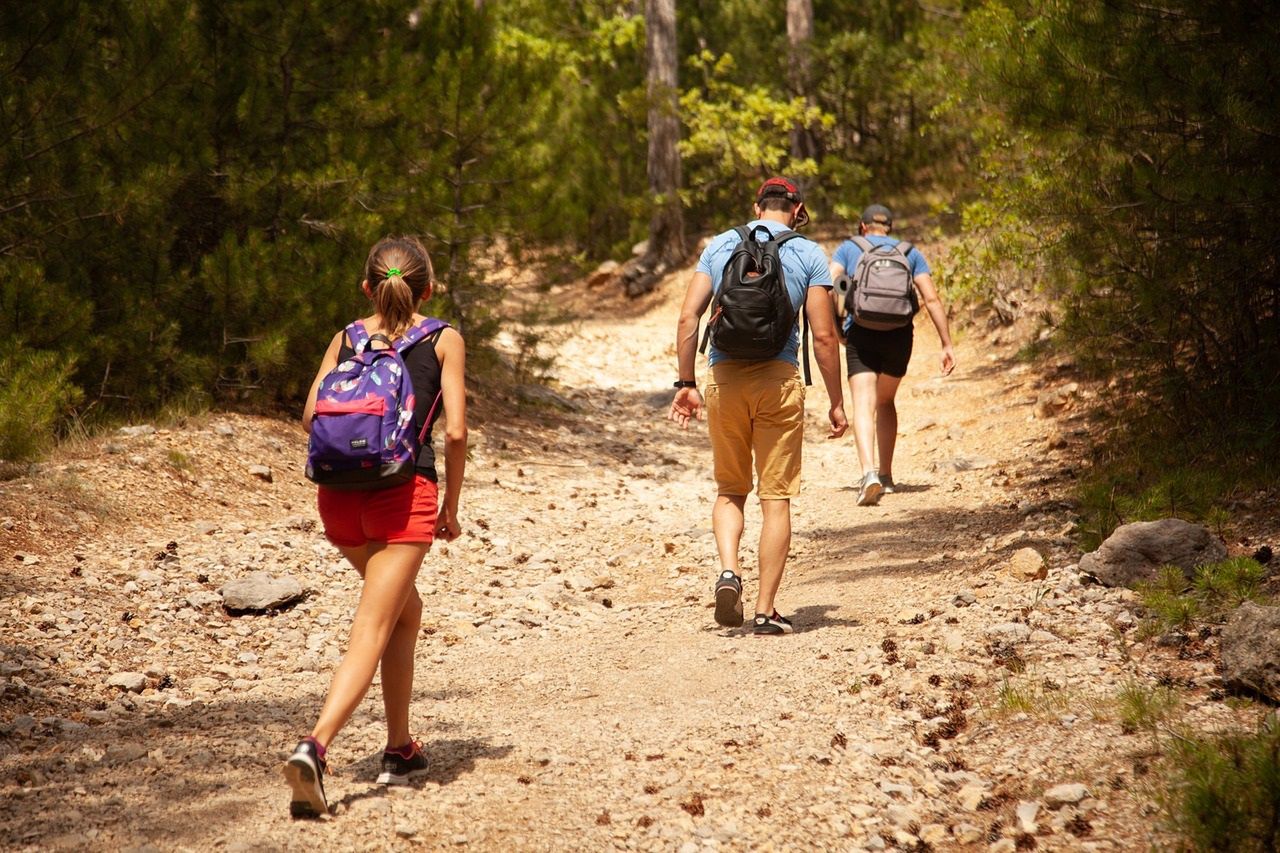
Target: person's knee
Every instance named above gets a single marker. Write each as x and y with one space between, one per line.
411 615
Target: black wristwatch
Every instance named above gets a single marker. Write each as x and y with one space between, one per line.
685 383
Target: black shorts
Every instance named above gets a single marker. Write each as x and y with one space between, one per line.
873 351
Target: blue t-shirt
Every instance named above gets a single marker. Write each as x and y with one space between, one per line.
804 265
847 255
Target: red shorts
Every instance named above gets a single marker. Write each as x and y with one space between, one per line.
400 514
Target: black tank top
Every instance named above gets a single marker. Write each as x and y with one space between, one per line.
424 373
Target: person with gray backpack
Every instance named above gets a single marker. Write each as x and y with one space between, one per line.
880 283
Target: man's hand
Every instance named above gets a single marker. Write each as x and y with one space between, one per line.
839 423
948 361
686 407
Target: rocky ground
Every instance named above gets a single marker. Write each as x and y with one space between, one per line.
573 691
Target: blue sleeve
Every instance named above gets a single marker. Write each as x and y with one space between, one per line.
817 267
919 266
704 262
845 256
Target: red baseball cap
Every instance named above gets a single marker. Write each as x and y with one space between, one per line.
779 186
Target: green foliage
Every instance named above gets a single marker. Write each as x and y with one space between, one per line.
1173 601
1222 792
1153 481
1167 599
1137 144
1143 707
737 136
36 393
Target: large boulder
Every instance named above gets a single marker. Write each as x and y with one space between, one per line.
1136 552
1251 651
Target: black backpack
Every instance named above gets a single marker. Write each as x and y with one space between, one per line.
751 314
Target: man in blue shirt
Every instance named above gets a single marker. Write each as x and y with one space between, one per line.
756 408
878 359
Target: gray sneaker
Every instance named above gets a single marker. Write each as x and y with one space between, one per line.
886 480
871 490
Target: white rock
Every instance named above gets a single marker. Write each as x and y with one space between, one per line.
1026 814
134 682
1062 795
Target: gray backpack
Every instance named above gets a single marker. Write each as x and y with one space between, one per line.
882 294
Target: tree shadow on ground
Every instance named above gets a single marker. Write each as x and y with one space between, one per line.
919 543
448 760
169 775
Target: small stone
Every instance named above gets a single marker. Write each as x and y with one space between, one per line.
901 816
1026 814
133 682
1009 632
964 598
224 429
1004 845
875 842
971 797
1063 795
260 591
933 833
136 431
966 833
262 472
1028 564
406 830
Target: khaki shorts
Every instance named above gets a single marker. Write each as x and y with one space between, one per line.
756 408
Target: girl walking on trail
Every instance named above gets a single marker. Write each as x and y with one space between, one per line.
386 532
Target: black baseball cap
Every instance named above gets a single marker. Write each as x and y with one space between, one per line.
877 214
783 188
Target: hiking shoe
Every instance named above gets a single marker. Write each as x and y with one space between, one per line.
871 490
304 770
728 599
398 770
773 624
886 481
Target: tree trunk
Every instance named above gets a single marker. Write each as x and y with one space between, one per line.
666 226
800 38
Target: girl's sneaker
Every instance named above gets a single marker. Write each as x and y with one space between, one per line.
772 624
870 490
304 770
398 770
886 482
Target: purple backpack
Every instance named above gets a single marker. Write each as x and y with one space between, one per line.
362 435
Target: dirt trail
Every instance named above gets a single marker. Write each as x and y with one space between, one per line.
573 691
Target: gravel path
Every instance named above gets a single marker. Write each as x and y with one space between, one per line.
573 691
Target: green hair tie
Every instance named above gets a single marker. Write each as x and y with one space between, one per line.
391 272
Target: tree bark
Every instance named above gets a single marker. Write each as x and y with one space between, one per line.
666 225
804 142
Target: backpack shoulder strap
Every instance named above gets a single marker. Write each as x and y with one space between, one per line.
786 237
358 335
863 243
904 247
425 329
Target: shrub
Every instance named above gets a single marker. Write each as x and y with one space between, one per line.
1223 792
1216 590
36 398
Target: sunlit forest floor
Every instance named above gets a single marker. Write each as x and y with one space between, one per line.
573 691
